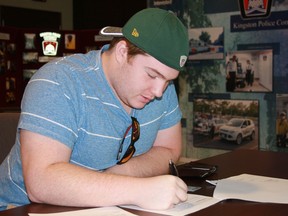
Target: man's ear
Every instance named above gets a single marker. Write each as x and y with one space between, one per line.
121 51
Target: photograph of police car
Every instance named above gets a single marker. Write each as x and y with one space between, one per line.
209 127
239 123
238 129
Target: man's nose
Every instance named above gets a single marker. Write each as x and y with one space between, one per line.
159 88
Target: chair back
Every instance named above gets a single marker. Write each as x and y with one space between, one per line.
8 127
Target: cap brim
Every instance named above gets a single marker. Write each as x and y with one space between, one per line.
111 31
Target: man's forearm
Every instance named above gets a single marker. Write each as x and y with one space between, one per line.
154 162
70 185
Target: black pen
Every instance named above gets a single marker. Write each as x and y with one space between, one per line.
173 168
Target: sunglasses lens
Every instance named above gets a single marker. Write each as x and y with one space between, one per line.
128 154
135 129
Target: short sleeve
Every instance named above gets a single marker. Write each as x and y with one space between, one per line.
49 105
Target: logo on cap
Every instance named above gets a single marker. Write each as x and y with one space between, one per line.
135 33
183 60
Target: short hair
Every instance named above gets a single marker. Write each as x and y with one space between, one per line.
132 49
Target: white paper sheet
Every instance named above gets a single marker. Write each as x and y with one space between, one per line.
244 187
252 188
193 204
104 211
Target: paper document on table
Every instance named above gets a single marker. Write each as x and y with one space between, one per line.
193 204
252 188
104 211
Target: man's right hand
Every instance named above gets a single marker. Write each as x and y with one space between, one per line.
161 192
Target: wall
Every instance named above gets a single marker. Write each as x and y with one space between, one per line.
263 66
65 7
206 78
98 14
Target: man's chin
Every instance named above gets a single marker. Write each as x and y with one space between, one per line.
140 105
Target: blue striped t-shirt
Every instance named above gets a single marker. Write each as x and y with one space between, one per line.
70 100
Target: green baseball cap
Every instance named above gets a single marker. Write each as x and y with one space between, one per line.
157 32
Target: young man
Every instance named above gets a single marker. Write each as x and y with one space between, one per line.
99 129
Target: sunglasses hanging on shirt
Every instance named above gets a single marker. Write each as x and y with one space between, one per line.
131 148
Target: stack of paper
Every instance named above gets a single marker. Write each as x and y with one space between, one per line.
193 204
243 187
253 188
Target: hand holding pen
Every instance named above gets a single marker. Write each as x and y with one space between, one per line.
174 171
